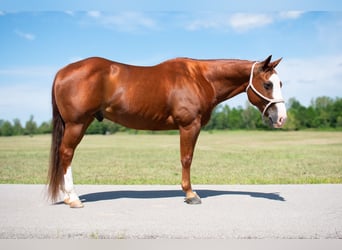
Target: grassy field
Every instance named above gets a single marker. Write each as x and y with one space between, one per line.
235 157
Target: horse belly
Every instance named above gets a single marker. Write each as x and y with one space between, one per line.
140 121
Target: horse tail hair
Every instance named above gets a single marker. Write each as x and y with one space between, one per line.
56 172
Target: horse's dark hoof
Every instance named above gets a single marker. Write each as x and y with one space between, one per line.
193 200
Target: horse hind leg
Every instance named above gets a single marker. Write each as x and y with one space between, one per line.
188 138
72 136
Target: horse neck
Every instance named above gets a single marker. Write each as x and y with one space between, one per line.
228 77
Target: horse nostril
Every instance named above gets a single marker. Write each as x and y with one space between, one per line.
281 121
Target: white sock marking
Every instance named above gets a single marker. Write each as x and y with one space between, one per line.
69 186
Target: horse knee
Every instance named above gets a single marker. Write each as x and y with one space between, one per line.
186 161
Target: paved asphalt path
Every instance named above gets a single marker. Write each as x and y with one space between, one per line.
142 211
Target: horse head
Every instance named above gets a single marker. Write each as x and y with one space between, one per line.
264 91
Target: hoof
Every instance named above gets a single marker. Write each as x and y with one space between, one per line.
76 204
67 201
193 200
73 204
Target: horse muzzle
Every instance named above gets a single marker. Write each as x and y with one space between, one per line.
279 123
277 115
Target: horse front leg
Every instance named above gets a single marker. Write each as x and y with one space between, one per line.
188 138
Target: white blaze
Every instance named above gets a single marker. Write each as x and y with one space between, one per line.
277 95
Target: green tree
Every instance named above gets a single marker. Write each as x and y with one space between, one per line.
31 126
220 120
323 107
45 128
250 117
291 123
104 127
339 122
211 124
96 127
336 113
17 128
111 127
297 111
235 118
6 128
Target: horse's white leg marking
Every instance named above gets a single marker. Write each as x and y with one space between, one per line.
70 194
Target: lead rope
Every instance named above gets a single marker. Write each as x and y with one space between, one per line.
250 85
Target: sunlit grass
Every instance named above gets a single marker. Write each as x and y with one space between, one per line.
234 157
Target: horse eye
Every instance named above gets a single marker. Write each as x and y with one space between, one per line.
268 85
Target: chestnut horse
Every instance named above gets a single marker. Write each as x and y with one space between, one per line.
176 94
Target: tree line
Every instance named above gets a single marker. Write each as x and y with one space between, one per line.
322 113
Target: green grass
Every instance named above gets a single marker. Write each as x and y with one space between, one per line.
234 157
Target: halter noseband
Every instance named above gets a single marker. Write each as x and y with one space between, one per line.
270 101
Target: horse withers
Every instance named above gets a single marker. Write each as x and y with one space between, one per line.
176 94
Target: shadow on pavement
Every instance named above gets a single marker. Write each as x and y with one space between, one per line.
155 194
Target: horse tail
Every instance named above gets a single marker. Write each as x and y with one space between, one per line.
56 172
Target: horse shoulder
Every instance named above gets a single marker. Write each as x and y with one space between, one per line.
192 95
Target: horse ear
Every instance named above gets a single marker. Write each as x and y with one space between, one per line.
267 65
264 65
275 63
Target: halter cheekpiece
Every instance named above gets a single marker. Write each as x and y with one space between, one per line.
270 101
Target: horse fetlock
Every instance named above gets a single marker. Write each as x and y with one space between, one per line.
186 186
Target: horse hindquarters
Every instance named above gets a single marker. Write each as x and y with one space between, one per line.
65 138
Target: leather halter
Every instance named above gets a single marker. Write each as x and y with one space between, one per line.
269 100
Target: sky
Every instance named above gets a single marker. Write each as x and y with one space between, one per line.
36 40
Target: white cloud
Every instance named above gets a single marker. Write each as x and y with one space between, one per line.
292 14
246 21
123 21
239 22
27 36
208 21
94 13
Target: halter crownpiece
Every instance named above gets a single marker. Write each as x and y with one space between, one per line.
250 85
